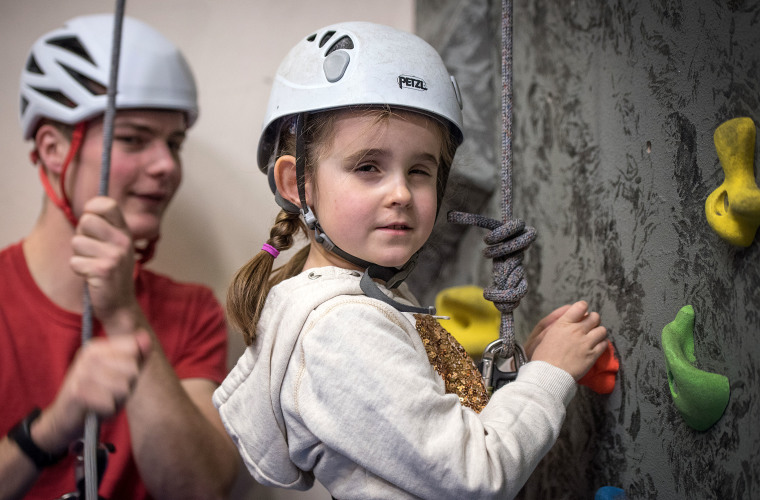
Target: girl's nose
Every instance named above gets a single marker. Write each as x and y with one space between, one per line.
400 193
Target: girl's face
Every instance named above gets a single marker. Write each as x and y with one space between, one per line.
374 189
145 167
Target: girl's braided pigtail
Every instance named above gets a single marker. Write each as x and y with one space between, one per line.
250 286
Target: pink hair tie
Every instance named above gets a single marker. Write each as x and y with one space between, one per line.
270 250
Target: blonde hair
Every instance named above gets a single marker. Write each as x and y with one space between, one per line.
248 291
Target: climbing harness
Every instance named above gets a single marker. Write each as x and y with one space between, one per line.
507 239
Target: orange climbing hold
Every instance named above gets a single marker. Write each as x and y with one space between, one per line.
601 377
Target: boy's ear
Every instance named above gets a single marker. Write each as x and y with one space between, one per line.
52 147
285 178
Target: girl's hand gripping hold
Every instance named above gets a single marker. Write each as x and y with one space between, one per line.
570 338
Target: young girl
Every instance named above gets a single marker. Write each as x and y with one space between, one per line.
346 379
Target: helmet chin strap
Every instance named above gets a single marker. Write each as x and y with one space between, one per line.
63 201
144 252
392 276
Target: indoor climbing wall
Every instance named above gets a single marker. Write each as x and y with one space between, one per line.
616 105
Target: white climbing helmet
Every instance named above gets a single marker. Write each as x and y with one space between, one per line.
360 64
67 72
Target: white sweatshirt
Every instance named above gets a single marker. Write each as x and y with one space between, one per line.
337 386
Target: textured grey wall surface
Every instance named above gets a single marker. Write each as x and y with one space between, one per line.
615 107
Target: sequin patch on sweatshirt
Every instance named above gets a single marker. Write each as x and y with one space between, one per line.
452 363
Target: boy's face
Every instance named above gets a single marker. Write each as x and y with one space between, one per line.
374 189
145 167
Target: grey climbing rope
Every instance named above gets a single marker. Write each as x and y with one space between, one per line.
92 425
509 237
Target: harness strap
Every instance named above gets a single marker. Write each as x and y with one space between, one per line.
371 290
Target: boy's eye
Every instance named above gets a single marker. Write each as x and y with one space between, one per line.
175 146
134 141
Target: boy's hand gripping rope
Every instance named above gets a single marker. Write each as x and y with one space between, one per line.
509 238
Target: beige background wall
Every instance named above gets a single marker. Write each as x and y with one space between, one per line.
224 209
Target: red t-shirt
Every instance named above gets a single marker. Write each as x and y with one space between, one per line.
38 341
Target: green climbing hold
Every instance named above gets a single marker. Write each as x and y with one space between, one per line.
701 397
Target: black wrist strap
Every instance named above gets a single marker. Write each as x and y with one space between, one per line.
21 434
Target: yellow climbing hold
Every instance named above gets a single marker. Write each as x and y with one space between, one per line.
474 319
733 210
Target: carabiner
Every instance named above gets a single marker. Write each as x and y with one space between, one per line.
493 377
79 470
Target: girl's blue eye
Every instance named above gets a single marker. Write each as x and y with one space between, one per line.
365 168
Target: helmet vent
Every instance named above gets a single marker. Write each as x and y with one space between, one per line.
73 45
33 67
325 38
56 96
24 104
91 85
344 42
311 38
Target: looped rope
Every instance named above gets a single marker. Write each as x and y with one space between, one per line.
506 244
508 239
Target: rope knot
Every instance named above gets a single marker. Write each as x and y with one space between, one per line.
506 243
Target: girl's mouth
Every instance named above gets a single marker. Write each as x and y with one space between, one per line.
396 228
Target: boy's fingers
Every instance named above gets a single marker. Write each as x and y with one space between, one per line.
106 208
